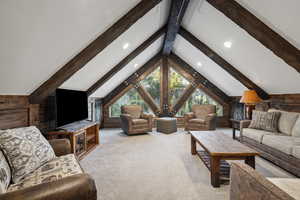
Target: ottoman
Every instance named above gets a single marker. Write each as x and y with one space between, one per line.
166 125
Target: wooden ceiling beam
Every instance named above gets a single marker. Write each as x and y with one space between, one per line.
134 78
198 78
93 49
184 97
126 60
222 63
148 99
260 31
177 11
164 89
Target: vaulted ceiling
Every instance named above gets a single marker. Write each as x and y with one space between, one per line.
39 38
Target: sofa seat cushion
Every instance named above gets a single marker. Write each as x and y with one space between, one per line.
26 149
280 142
5 173
296 128
54 170
139 121
286 121
197 121
288 185
256 134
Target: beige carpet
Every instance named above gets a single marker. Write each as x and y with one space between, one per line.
154 167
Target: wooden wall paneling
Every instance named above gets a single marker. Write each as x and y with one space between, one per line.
81 59
33 112
148 99
222 63
164 89
126 60
177 11
260 31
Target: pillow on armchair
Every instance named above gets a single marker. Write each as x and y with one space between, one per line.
5 174
26 149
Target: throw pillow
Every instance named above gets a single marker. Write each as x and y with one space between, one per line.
26 149
5 174
265 120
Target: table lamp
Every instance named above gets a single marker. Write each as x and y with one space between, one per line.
249 98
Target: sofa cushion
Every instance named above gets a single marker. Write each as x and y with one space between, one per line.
267 121
201 111
26 149
288 185
281 142
256 134
5 173
296 128
139 121
197 121
286 121
134 111
53 170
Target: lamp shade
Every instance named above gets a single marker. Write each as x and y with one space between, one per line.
250 97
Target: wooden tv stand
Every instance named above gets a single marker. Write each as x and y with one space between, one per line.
83 135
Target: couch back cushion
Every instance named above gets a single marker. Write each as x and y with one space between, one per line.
5 173
26 149
267 121
201 111
286 121
134 111
296 128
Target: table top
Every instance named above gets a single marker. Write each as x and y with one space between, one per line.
217 143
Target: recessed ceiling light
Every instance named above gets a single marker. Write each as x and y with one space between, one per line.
135 65
227 44
126 45
199 64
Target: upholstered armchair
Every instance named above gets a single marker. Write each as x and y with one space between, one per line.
134 121
202 117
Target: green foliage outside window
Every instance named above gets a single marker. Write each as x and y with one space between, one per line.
199 97
177 85
131 97
152 84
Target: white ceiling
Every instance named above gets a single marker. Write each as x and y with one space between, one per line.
246 54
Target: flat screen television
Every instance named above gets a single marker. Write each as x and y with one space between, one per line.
71 106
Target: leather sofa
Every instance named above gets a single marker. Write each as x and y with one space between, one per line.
246 184
281 148
202 117
134 121
79 186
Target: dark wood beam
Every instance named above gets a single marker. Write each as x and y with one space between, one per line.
126 60
81 59
164 89
177 11
133 79
222 63
260 31
192 74
184 97
147 98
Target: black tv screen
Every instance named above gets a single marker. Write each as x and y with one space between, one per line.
71 106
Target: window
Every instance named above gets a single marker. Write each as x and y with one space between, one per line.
199 97
152 84
129 98
177 85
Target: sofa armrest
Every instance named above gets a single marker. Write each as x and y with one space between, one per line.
148 117
76 187
246 183
243 124
188 116
126 117
211 121
60 146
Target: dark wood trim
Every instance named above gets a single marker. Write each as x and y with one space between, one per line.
260 31
164 89
93 49
184 97
177 11
222 63
126 60
148 99
199 79
140 74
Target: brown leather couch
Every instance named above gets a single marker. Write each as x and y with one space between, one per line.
202 117
134 121
74 187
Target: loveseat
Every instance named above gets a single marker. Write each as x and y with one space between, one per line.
61 178
281 147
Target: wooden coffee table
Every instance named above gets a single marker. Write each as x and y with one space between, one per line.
217 147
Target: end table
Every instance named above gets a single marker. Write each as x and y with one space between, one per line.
235 123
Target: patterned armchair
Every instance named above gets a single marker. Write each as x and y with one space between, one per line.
134 121
202 117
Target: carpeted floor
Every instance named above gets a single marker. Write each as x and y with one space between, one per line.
155 167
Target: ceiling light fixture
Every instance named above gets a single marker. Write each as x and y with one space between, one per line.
135 65
126 45
227 44
199 64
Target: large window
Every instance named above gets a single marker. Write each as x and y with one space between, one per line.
177 85
199 97
129 98
152 84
